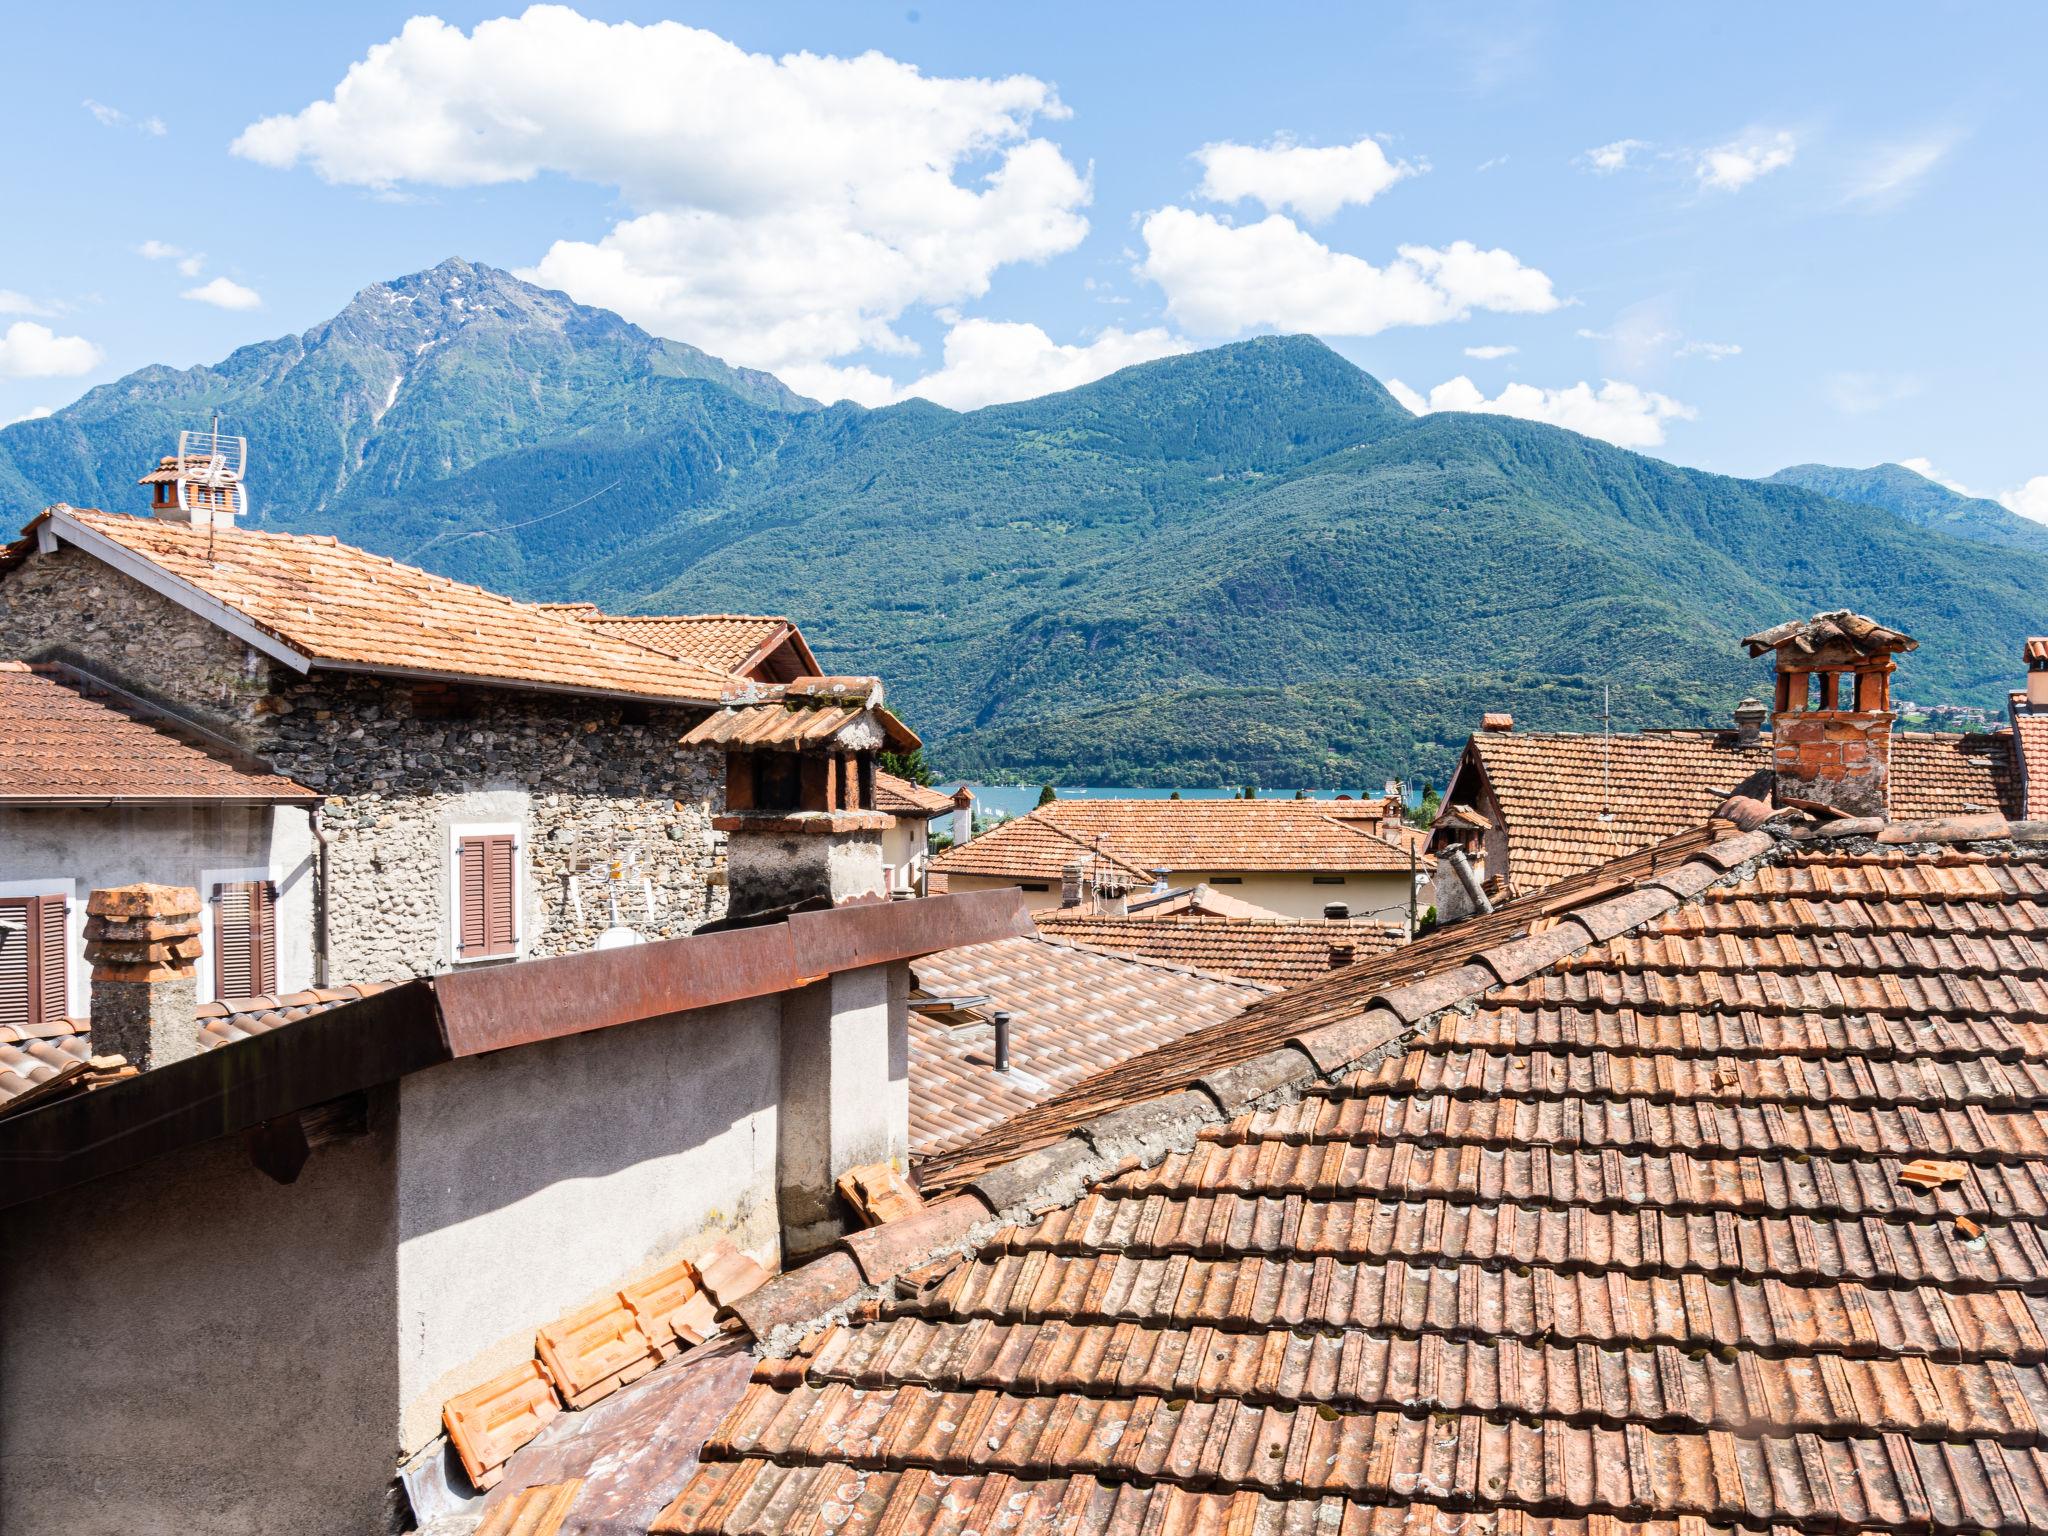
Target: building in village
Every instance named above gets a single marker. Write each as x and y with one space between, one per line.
1527 808
1289 858
470 779
907 846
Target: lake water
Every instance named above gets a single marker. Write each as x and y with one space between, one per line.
1017 799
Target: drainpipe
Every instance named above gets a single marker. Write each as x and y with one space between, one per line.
321 860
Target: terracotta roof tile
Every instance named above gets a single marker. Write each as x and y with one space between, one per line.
1624 1246
70 738
1073 1013
2030 740
900 797
342 606
237 1018
1571 801
725 642
1146 835
1277 951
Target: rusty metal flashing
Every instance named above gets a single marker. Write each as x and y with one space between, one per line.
420 1024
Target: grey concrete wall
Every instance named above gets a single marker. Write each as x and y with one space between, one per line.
194 1350
537 1179
195 845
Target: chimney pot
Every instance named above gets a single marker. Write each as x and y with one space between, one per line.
1070 884
1002 1023
1336 911
1750 715
1496 720
143 944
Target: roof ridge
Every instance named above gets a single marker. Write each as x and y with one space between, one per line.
1157 964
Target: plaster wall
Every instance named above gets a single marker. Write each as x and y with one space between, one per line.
1288 895
191 1349
191 844
534 1180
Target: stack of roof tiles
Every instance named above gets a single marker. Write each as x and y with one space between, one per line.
1277 951
1637 1222
1572 801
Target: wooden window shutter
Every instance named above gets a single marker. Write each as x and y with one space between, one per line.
33 962
244 939
486 896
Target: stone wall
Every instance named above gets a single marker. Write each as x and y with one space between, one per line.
582 779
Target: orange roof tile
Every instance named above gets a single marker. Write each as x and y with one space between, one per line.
2030 737
1275 951
1606 1233
1146 835
339 606
900 797
725 642
1036 849
69 737
1569 801
1073 1012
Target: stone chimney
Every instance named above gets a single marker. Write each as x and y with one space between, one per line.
1750 716
963 816
2037 673
143 944
1831 729
1073 881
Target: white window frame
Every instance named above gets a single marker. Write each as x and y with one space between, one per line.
77 978
451 874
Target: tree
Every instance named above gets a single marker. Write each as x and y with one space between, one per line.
1426 809
907 765
1046 794
1174 796
1250 793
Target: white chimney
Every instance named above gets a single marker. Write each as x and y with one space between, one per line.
203 482
963 815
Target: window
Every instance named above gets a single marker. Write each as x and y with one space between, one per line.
1226 880
486 895
1326 879
244 938
33 984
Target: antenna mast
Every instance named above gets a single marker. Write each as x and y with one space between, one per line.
1606 752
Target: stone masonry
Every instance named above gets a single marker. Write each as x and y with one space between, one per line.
402 766
143 941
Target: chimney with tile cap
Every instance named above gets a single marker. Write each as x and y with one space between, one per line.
963 816
1750 716
1831 729
2037 672
143 944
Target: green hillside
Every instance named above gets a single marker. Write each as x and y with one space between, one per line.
1917 499
1249 563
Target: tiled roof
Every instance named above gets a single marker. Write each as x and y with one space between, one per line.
1572 801
900 797
342 606
1617 1229
1073 1012
33 1055
725 642
69 737
2030 752
1031 848
806 712
1278 951
1146 835
237 1018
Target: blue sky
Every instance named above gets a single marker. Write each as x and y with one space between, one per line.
1735 236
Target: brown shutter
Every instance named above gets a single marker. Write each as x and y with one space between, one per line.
487 911
14 961
503 936
244 939
55 951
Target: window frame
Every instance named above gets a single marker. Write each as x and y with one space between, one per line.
464 831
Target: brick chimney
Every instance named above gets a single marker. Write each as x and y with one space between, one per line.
143 945
1831 729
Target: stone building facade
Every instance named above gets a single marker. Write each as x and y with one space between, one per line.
405 766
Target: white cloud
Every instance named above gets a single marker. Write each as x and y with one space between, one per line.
2028 499
1606 159
31 351
190 263
1712 351
1859 394
1894 172
114 117
1734 165
1223 279
224 293
1313 182
13 303
785 211
1488 354
1620 413
33 413
1487 165
991 361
